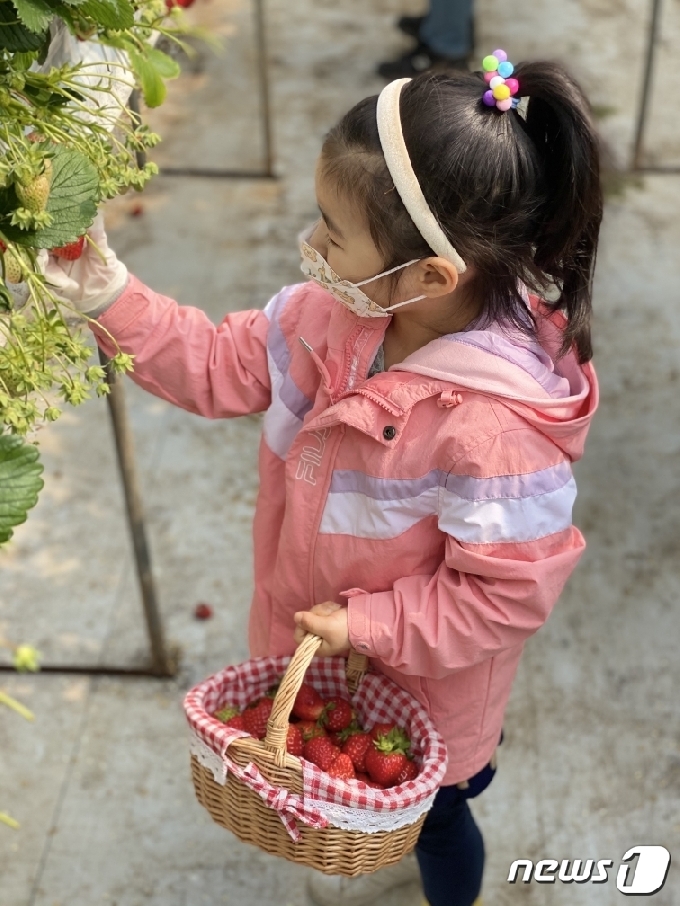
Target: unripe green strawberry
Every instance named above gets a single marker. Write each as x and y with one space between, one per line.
11 267
34 196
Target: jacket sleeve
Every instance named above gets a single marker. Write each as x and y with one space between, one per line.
509 547
181 356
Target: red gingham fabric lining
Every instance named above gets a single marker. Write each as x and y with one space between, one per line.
378 700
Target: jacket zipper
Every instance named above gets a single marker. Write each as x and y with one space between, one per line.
319 514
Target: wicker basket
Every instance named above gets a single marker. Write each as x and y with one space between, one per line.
241 810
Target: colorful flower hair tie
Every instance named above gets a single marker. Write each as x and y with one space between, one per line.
502 88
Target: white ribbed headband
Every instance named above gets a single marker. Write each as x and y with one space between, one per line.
405 181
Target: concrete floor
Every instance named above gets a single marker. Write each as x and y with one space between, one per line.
591 762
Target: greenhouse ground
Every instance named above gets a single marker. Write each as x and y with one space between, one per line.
591 761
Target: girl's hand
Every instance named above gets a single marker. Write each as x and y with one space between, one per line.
91 282
329 622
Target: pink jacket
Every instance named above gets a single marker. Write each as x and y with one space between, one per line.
436 496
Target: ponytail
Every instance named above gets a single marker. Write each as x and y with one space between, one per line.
558 120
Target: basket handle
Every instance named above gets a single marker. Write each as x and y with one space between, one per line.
277 726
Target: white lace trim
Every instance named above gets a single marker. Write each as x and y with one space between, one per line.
209 759
367 821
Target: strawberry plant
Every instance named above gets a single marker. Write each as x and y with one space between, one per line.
68 144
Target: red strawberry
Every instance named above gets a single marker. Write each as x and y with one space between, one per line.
201 611
310 729
381 730
364 778
386 759
308 704
231 717
410 772
321 752
342 768
337 714
71 252
356 747
255 718
295 741
236 722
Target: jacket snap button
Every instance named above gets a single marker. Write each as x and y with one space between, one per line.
389 433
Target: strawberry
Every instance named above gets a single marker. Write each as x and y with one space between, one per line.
294 741
308 704
356 747
201 611
342 768
231 717
410 772
255 717
387 758
337 714
310 729
381 730
71 252
34 196
364 778
11 267
321 752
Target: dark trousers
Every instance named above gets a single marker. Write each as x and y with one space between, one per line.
450 851
450 848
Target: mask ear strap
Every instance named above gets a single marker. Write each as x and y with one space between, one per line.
399 304
387 273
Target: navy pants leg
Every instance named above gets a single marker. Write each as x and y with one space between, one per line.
450 851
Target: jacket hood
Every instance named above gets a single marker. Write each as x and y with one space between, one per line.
558 396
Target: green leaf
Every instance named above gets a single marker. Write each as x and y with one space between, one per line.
36 15
20 482
150 79
72 202
116 14
164 65
14 36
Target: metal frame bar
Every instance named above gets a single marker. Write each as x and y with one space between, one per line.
265 117
637 165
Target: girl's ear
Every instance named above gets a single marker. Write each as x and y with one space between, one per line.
437 277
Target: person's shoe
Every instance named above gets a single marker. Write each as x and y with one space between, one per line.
364 890
418 60
410 25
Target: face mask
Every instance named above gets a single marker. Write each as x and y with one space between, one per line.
316 267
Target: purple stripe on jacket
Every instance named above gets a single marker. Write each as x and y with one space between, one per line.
290 394
532 484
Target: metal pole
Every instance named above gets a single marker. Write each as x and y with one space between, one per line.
646 84
263 73
161 663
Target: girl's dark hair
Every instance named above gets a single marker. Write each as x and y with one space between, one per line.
518 195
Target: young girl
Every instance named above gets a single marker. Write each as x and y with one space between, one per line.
423 407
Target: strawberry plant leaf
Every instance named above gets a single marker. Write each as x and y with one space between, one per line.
149 77
115 14
14 36
164 65
36 15
20 482
72 201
